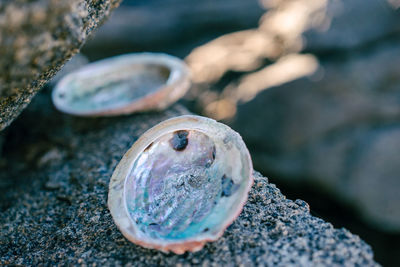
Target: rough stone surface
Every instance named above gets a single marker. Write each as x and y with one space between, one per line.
36 39
53 206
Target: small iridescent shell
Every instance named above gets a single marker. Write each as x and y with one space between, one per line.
122 85
181 184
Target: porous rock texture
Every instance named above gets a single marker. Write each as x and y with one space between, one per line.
53 206
36 39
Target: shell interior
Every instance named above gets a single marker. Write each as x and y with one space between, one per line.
184 184
115 83
181 184
117 88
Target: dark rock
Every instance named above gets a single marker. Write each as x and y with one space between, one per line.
36 39
55 212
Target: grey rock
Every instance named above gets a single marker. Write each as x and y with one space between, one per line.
338 129
36 39
55 212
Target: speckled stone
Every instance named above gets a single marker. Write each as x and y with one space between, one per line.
53 210
36 38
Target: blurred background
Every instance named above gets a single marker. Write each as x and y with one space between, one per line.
313 86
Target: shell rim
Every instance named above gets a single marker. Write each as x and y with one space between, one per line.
173 89
126 164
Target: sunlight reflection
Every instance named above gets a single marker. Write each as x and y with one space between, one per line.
277 41
240 51
286 69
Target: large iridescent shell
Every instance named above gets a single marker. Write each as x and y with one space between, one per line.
123 84
181 184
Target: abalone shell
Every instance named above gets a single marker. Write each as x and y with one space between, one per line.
123 84
181 184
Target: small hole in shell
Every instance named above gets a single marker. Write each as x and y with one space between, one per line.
228 186
148 147
180 140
